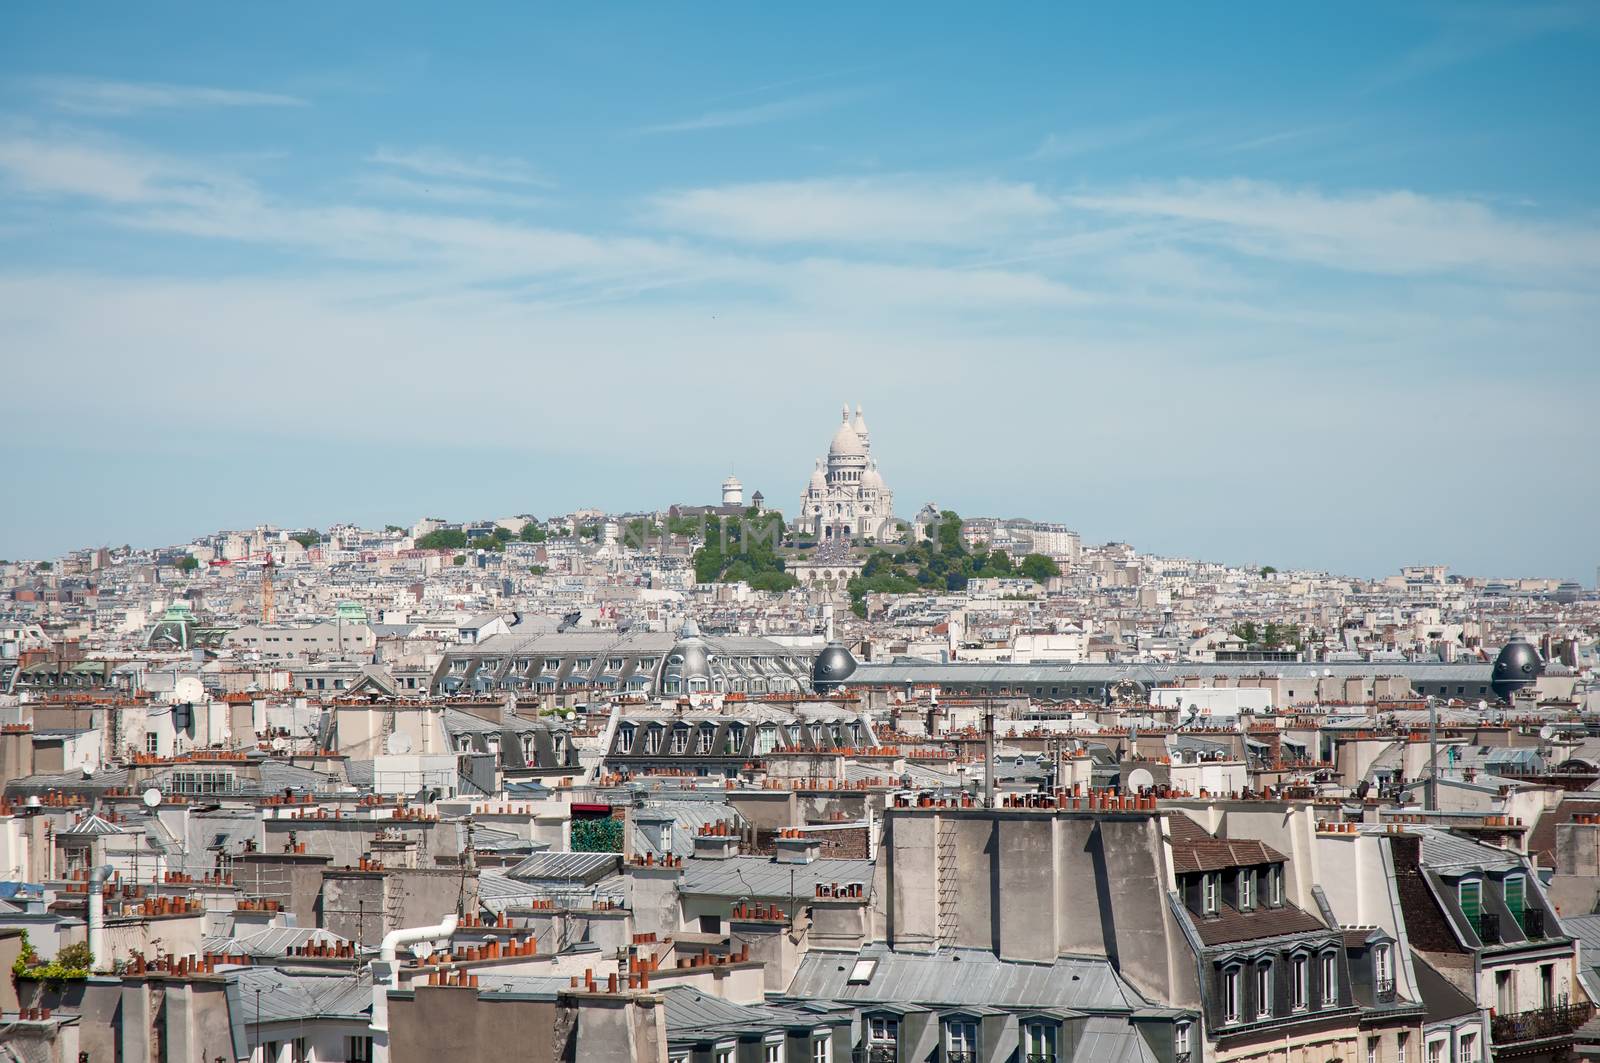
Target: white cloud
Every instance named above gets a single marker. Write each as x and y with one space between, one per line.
757 114
435 162
391 187
97 96
860 211
1394 232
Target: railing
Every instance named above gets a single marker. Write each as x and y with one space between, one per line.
1533 922
1540 1023
1385 990
1041 1057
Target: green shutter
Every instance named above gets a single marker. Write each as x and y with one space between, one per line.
1516 891
1470 893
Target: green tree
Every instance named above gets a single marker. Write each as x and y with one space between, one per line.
189 563
443 539
393 528
308 538
1267 570
487 542
1247 633
1039 568
532 533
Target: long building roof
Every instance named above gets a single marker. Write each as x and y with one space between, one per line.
902 670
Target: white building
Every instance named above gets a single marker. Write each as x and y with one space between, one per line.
847 498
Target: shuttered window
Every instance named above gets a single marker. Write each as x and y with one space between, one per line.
1470 894
1516 897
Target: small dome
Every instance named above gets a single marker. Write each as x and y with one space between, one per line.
732 481
1517 666
818 479
832 667
846 443
871 479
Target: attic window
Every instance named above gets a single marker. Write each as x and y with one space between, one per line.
861 972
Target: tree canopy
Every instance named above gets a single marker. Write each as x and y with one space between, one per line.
742 551
443 539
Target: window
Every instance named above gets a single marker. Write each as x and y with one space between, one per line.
723 1055
883 1037
1372 1050
772 1052
1436 1051
1302 982
1383 968
1208 893
1505 993
1276 877
1180 1040
1264 989
960 1042
301 1050
152 743
821 1050
358 1049
1247 890
1402 1041
680 739
1547 985
1039 1042
1469 1048
1330 979
1516 894
624 739
1230 995
1470 894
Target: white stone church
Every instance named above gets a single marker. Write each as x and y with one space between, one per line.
847 498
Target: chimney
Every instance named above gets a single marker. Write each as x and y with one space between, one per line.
794 847
97 919
716 846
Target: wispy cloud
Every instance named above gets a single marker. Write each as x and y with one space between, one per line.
1389 232
1090 140
905 210
436 162
760 113
1468 32
389 186
98 96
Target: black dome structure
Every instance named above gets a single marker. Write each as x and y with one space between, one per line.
1518 666
832 667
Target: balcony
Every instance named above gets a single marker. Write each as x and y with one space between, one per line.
1540 1024
1384 990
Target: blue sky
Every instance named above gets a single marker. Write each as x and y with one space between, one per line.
1300 285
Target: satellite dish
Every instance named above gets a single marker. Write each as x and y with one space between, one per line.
397 744
152 797
1141 779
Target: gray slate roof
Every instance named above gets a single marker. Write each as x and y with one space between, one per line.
761 876
965 978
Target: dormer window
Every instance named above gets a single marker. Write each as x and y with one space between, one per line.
625 739
1247 890
680 739
1469 893
1515 890
1230 993
1330 979
1300 983
1209 883
1275 877
1264 989
703 746
1383 968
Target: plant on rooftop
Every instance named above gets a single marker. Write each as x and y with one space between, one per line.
189 563
308 538
71 964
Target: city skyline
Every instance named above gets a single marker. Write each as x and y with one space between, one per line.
1306 292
